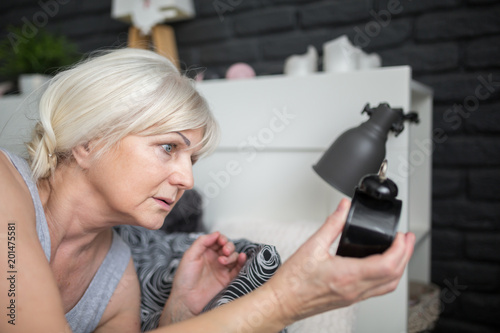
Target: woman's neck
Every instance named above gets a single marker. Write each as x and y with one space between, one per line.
76 219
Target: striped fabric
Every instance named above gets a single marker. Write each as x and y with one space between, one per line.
157 254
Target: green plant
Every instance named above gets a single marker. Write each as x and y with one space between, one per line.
43 53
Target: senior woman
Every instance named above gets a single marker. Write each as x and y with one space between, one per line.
116 142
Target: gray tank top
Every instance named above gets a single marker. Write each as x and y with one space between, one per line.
86 314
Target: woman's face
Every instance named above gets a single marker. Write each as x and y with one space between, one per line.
143 178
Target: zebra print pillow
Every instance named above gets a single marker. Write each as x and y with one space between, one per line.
156 256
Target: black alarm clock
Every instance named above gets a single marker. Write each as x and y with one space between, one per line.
373 218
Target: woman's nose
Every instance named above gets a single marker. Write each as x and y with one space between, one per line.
182 175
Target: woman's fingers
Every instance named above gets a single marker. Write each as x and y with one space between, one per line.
334 224
222 246
391 282
242 259
230 259
233 260
387 264
228 248
201 244
381 273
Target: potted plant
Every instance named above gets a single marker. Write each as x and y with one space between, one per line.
30 61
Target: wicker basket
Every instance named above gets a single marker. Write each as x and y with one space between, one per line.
424 306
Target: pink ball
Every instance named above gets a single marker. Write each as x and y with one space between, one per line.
240 70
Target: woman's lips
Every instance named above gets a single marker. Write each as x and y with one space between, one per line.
164 203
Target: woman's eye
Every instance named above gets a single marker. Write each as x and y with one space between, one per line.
168 147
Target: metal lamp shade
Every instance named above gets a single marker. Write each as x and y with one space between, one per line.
358 151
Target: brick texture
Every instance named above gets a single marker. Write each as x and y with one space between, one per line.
450 118
481 2
89 25
466 89
483 246
467 151
447 25
95 6
104 40
445 325
223 8
219 53
17 16
335 12
485 120
484 184
373 37
280 46
483 53
202 31
405 7
466 215
482 308
447 183
265 21
457 278
423 58
447 244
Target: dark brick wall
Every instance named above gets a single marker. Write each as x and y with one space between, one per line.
452 45
88 23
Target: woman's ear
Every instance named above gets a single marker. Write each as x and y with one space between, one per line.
82 155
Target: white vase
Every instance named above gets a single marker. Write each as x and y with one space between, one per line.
29 83
339 55
302 64
368 61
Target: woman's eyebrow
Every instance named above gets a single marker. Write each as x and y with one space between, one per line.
186 140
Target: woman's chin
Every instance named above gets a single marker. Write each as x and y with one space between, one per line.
152 223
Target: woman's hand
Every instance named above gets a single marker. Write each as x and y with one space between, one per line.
205 269
313 281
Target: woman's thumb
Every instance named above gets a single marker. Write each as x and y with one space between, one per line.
334 224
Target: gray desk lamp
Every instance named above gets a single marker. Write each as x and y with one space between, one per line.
350 165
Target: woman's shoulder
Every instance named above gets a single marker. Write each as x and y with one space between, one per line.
15 197
10 177
14 164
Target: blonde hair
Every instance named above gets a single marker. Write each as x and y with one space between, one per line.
105 98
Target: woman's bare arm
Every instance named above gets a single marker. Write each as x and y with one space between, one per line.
27 285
